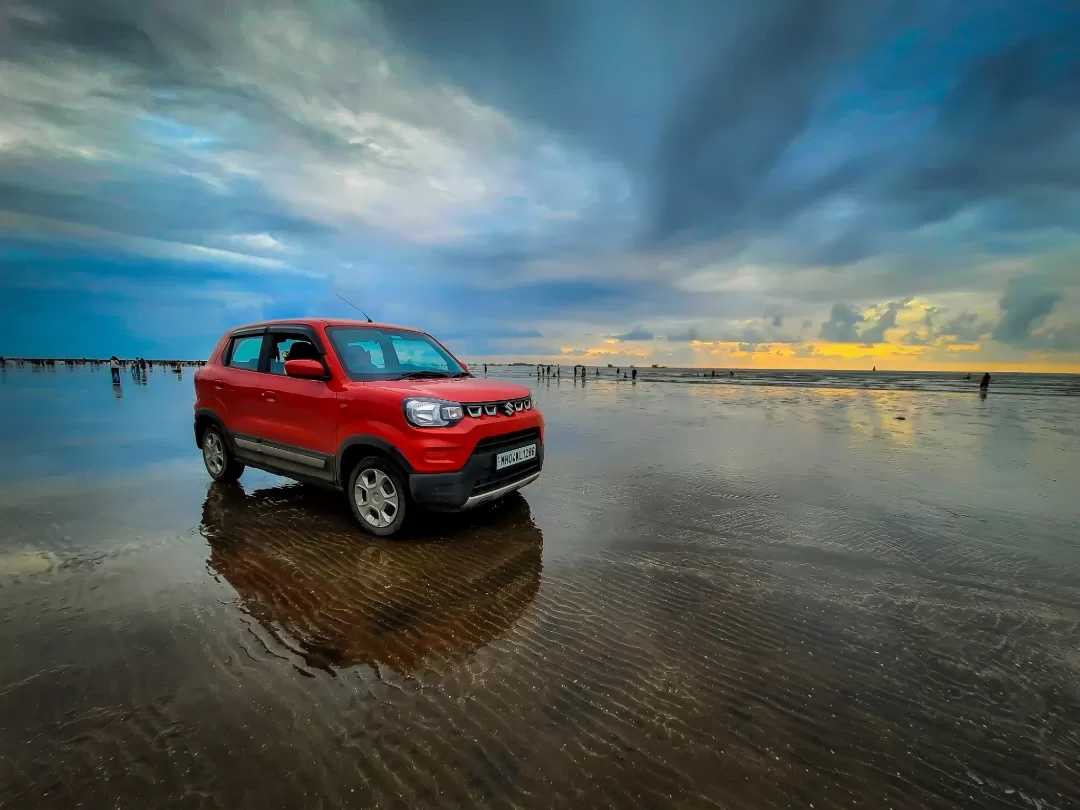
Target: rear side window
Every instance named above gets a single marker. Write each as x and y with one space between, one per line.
244 352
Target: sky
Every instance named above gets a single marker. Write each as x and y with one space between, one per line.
811 183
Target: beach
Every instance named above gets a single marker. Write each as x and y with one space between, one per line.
717 595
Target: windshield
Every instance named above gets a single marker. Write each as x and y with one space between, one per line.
390 354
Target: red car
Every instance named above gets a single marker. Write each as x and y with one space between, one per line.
385 413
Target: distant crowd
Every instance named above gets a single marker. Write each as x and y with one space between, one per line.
37 362
138 366
583 372
579 371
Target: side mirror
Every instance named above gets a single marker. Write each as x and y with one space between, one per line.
305 369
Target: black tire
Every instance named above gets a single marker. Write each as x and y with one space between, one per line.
375 517
221 466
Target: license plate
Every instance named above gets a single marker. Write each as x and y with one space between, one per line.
512 457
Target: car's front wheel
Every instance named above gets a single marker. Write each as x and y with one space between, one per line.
219 460
379 496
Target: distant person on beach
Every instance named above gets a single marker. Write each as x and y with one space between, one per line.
633 374
731 373
114 366
485 368
984 383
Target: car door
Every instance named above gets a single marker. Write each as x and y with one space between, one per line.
299 417
237 383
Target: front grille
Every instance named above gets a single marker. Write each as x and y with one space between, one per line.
502 407
506 441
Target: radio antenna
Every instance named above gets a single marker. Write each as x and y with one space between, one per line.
354 306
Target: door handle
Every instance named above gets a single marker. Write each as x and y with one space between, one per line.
219 383
269 396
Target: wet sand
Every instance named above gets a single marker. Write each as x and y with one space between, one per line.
712 598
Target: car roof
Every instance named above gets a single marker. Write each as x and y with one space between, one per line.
323 322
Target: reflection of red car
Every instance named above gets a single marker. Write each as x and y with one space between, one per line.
383 412
297 567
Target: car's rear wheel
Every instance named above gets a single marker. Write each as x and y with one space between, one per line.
219 460
379 496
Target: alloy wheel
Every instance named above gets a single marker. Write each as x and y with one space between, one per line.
213 453
376 497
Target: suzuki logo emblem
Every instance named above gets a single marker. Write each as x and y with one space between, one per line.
508 407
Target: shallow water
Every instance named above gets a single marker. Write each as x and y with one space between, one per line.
743 597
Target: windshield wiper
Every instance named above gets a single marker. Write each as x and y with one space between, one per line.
424 375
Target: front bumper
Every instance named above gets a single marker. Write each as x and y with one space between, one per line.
478 481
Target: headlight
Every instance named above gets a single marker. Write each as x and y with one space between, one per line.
433 412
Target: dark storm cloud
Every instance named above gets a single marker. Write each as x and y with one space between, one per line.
759 333
847 325
875 333
1059 339
966 327
740 115
690 335
700 101
1010 125
1024 308
842 323
637 333
712 110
